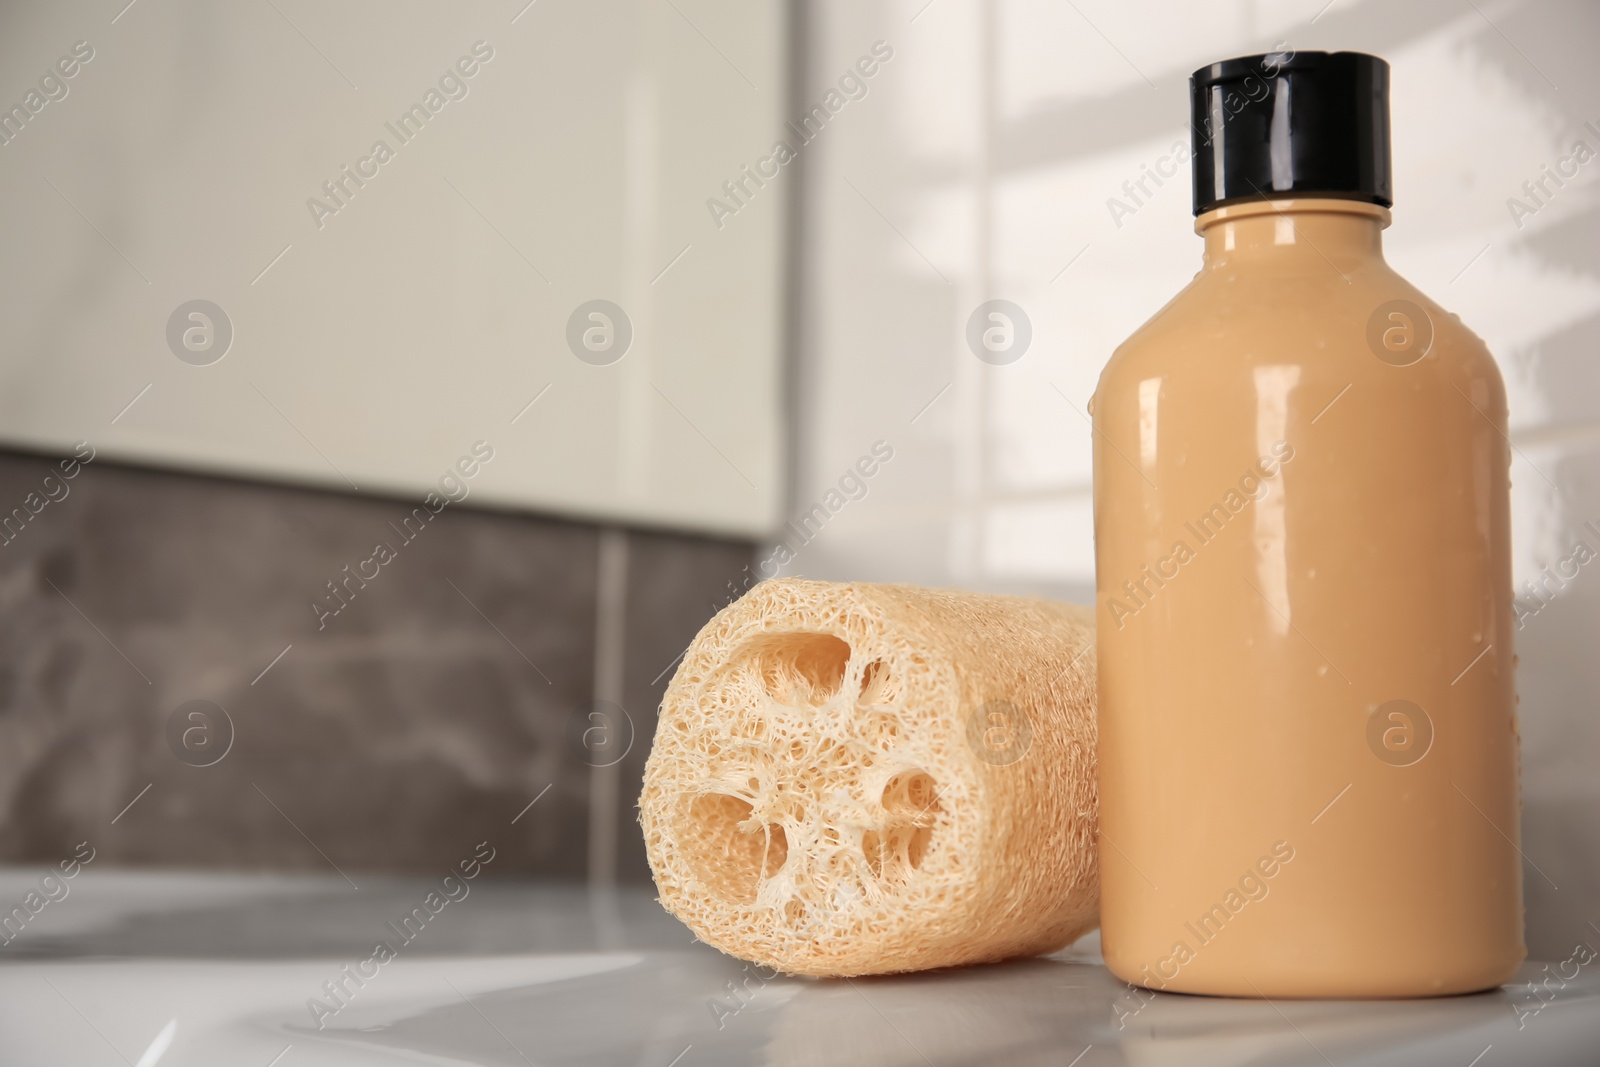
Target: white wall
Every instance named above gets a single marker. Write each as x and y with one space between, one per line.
373 346
980 166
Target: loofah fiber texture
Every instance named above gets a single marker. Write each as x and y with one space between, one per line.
854 779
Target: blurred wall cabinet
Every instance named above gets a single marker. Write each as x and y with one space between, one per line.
360 246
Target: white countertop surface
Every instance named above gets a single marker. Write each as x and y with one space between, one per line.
143 969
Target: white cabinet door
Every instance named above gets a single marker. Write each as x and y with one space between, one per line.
342 244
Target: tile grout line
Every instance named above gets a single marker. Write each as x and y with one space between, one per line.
605 782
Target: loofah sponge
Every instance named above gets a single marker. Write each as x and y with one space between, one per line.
857 779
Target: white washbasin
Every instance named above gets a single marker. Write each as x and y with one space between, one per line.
175 969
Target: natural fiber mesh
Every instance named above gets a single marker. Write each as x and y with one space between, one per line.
822 796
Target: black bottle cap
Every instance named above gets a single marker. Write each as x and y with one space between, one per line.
1290 124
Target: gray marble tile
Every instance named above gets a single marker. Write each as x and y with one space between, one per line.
418 720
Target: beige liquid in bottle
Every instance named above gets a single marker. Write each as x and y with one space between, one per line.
1308 740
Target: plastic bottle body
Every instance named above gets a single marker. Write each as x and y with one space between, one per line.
1308 746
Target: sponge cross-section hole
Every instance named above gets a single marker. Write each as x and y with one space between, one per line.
799 668
911 805
878 684
729 850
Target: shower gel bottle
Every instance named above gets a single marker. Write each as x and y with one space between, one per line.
1308 737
